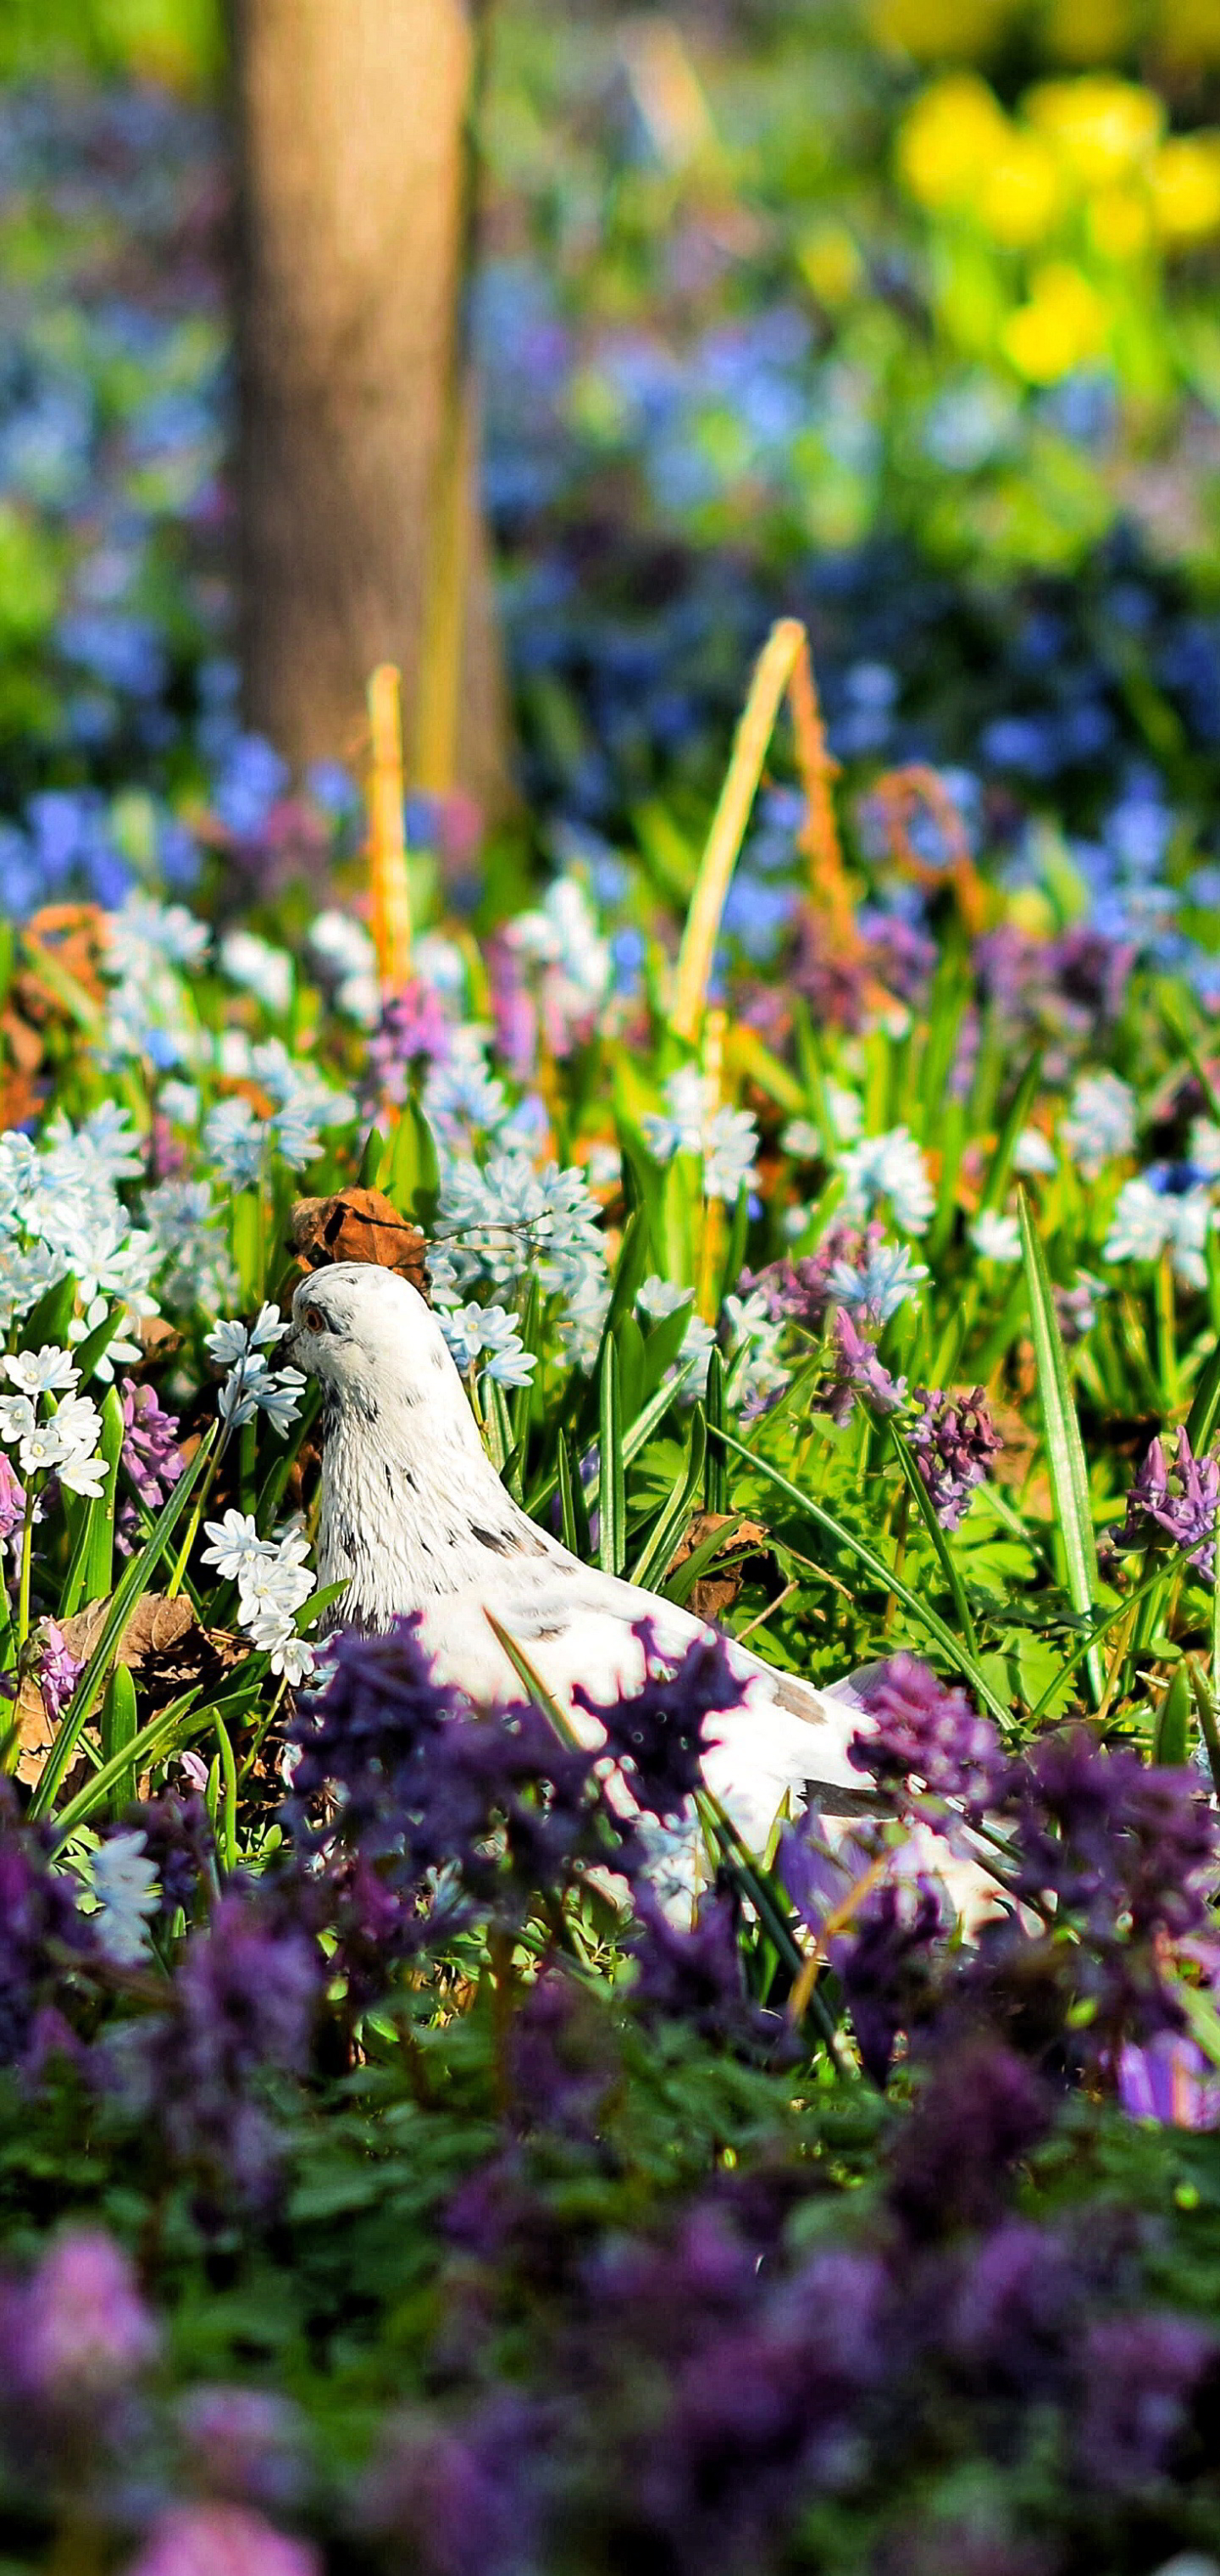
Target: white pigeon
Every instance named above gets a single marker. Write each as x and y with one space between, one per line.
413 1517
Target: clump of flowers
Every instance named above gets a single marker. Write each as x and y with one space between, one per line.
953 1440
657 1732
923 1730
1178 1498
273 1583
855 1370
414 1032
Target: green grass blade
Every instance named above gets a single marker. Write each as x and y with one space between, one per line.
611 1483
713 1408
1064 1448
884 1575
654 1556
135 1581
927 1511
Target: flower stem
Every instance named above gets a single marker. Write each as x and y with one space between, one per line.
27 1568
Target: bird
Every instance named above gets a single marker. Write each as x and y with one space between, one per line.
413 1517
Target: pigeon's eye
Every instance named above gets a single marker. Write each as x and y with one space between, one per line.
315 1320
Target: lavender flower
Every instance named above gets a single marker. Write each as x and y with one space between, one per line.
658 1732
857 1371
12 1498
242 2443
979 2113
800 1292
79 2330
1138 2376
40 1928
953 1439
243 2005
885 1969
924 1730
695 1976
414 1032
1181 1498
152 1461
59 1670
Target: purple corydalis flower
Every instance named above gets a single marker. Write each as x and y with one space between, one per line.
221 2540
81 2328
59 1670
414 1031
953 1440
12 1498
1169 2080
658 1732
924 1730
696 1976
1138 2376
1179 1496
242 2443
152 1461
857 1371
38 1920
243 2003
799 1292
885 1970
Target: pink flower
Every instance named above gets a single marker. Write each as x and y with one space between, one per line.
84 2326
221 2540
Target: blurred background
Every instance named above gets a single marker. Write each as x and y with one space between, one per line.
552 351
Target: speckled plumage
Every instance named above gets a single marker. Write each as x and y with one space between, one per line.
414 1517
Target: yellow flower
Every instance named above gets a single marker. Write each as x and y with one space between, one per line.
1020 190
948 138
830 263
927 28
1063 323
1090 31
1186 187
1102 126
1120 222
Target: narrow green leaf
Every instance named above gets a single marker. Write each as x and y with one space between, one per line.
372 1159
1171 1735
635 1438
713 1407
882 1574
99 1561
1205 1409
86 1354
227 1836
532 1680
996 1179
927 1512
629 1342
680 1584
1064 1448
667 1532
48 1321
567 1497
134 1582
611 1489
736 1251
120 1726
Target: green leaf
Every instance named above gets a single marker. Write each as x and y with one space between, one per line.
884 1575
713 1408
927 1512
1202 1417
134 1582
99 1561
1064 1448
48 1321
736 1252
1171 1735
120 1726
668 1530
611 1487
87 1353
414 1182
372 1159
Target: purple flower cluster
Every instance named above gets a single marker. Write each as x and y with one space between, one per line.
923 1731
152 1460
954 1440
856 1371
41 1935
414 1033
434 1811
241 2008
1178 1496
59 1670
657 1732
799 1292
12 1498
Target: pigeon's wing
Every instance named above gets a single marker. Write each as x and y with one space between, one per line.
577 1625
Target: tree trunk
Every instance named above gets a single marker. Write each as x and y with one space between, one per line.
352 157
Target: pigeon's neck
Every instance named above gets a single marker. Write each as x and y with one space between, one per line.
411 1505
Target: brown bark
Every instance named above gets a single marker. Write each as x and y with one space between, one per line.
351 136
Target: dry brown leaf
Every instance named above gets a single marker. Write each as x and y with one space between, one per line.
360 1225
714 1593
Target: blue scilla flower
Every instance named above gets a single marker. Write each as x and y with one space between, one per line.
124 651
252 778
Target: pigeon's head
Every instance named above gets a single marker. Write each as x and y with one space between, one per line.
367 1334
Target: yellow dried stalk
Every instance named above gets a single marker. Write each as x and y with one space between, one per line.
389 884
783 665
